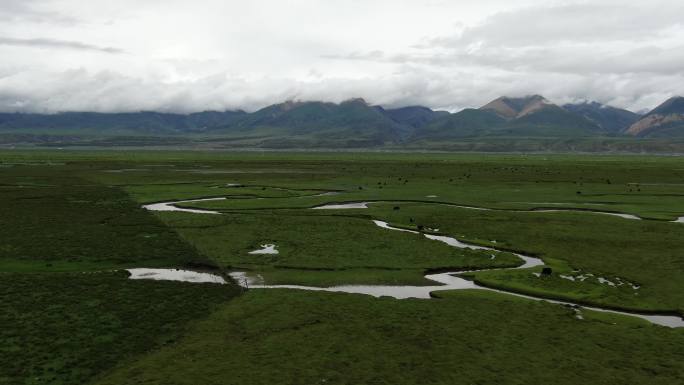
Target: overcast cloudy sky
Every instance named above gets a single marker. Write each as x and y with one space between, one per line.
181 55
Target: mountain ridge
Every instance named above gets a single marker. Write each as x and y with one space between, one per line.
517 107
355 122
665 120
609 118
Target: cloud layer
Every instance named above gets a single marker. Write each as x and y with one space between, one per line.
54 43
68 55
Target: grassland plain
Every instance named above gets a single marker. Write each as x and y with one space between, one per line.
641 252
646 253
53 220
316 242
66 317
67 328
84 214
291 337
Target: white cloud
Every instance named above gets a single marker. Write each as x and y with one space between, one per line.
29 11
211 54
54 43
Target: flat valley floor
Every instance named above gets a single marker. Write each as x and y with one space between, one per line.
606 231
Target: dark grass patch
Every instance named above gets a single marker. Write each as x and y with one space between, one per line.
467 337
51 218
67 328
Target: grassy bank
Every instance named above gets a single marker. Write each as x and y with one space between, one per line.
69 218
68 328
292 337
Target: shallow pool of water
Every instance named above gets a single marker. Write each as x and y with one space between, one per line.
266 249
175 275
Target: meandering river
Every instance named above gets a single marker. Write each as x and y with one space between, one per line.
445 281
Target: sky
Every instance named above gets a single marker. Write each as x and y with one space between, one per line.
186 56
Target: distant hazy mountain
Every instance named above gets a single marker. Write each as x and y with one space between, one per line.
467 123
536 116
290 124
351 124
119 123
530 116
414 116
666 120
610 119
547 119
313 116
516 108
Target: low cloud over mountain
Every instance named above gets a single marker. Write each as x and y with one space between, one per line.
193 56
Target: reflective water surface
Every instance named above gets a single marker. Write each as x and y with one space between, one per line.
445 281
339 206
266 249
171 206
175 275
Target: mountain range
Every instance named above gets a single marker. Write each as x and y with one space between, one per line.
355 123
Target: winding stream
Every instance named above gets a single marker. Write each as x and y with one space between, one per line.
446 281
354 205
171 206
364 205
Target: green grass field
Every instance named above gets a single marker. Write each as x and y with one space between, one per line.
70 221
68 328
464 338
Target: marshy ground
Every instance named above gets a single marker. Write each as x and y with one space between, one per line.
72 221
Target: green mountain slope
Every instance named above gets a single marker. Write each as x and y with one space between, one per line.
146 122
530 116
414 116
351 124
467 123
551 121
610 119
